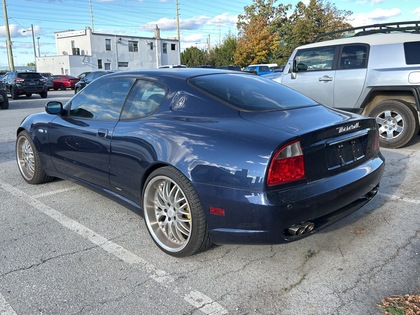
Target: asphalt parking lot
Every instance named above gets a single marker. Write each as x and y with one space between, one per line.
67 250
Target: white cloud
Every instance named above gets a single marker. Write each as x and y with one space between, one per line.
417 12
379 14
170 24
375 16
193 23
224 19
17 31
194 38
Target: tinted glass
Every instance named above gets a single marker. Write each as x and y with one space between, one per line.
353 57
143 100
315 59
251 93
101 100
412 53
29 75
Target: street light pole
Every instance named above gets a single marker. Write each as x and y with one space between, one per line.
33 40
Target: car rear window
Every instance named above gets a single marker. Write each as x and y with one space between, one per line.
250 92
264 69
29 75
412 56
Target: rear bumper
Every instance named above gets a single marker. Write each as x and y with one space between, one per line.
30 89
257 218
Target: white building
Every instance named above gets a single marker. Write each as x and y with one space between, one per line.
83 50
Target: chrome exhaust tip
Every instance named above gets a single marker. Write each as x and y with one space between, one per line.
296 229
299 229
309 226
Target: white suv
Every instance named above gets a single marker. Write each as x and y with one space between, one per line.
376 72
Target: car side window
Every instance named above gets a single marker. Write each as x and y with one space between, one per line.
143 100
102 99
353 57
315 59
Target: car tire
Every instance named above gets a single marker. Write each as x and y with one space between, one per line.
173 213
43 94
29 161
5 104
62 87
14 94
28 94
397 122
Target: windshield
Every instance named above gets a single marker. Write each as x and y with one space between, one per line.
251 93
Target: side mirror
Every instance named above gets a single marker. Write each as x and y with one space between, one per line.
54 108
300 66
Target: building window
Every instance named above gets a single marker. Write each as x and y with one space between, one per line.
107 66
107 44
151 45
133 46
173 46
165 48
99 63
122 64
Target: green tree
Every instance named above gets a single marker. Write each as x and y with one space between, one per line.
223 54
258 37
192 56
268 32
308 21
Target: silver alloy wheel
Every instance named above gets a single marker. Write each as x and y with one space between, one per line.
391 124
167 213
25 157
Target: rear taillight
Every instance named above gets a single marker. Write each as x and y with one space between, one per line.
376 145
19 80
287 165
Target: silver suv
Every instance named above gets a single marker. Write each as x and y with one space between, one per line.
376 72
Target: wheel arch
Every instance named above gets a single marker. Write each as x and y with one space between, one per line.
409 96
153 168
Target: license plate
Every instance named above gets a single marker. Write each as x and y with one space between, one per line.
346 152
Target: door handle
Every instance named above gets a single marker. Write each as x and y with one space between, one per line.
325 78
102 132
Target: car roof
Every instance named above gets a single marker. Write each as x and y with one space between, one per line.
376 39
180 72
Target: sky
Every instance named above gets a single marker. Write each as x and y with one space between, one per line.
201 21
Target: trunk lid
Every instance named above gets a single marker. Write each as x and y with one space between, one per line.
332 141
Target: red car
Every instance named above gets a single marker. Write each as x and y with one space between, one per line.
63 82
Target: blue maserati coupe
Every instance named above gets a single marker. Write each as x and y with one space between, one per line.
207 156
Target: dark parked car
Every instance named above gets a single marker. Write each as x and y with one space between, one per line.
48 82
25 83
207 156
89 77
64 82
4 101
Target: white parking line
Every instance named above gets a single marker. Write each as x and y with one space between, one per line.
5 308
195 298
399 198
54 192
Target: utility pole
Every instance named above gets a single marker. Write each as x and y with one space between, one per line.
91 16
179 31
8 40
